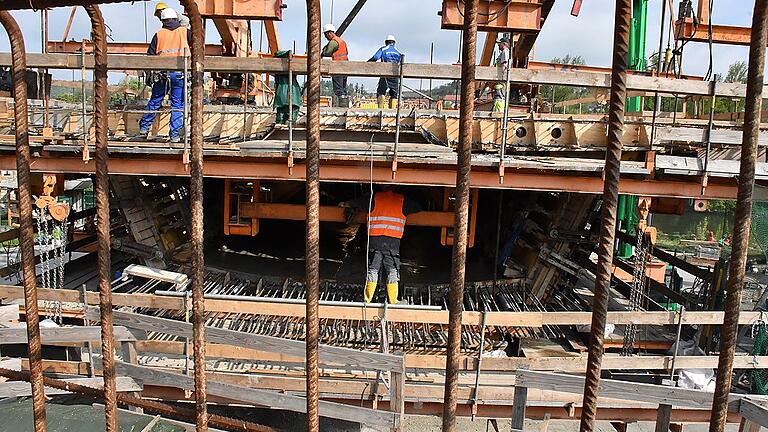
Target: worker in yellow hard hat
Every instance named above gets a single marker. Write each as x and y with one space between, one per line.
159 9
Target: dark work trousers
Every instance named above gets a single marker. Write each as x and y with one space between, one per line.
339 85
386 83
389 258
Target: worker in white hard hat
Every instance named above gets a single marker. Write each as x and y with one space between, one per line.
388 54
502 63
336 49
172 40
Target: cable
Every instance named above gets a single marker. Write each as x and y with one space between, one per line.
708 76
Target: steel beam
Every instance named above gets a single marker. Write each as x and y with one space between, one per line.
721 34
249 9
437 176
516 16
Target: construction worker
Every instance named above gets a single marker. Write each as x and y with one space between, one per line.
502 62
172 40
336 49
159 7
386 224
287 101
388 54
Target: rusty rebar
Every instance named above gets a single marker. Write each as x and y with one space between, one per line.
126 399
741 225
608 214
195 123
461 218
26 219
100 98
312 259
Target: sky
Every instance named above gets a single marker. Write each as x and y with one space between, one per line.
416 25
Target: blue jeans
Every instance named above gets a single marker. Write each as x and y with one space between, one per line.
176 92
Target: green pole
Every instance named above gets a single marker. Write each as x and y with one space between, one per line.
637 36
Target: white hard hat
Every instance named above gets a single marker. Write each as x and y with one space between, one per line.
390 38
329 27
168 13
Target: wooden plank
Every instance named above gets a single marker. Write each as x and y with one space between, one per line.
22 389
754 412
270 399
334 355
748 426
65 334
518 406
9 314
336 214
668 133
638 392
663 418
371 69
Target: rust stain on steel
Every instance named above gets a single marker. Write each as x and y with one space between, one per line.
195 123
313 215
741 225
459 256
26 235
100 99
608 214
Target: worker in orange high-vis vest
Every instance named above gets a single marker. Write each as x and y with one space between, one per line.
336 49
173 40
387 212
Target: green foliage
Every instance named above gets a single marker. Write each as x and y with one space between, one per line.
69 97
721 206
555 94
737 73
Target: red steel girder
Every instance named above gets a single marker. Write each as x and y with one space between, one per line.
721 34
243 9
517 16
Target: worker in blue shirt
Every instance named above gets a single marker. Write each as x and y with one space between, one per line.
388 54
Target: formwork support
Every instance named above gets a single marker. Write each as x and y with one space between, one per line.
26 222
196 211
312 258
742 220
608 215
461 218
100 98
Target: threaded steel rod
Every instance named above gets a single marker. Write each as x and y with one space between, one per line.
741 225
608 216
461 218
26 220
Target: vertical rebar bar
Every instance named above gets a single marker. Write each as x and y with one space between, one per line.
741 225
312 259
461 218
100 98
26 235
608 215
196 212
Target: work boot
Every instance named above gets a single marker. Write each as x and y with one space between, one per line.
382 101
370 289
175 139
392 292
393 103
143 135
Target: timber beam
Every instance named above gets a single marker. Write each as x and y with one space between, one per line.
140 48
371 69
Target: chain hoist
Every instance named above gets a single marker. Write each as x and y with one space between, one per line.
51 221
645 239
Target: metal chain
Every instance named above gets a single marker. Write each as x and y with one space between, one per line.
636 294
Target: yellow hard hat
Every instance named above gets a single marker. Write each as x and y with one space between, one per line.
160 6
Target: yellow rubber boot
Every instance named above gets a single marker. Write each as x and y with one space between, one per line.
392 292
382 100
393 103
370 289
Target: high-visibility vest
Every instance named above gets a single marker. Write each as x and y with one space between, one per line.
387 218
172 43
341 53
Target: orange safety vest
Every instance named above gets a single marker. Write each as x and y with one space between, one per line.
387 218
341 53
172 43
